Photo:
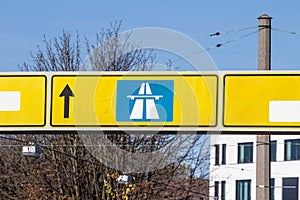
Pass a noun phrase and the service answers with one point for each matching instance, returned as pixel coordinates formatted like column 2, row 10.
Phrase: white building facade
column 233, row 167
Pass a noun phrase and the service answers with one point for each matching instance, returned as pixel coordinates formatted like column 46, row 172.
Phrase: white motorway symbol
column 145, row 93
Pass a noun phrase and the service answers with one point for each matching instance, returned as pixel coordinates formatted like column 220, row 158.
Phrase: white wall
column 233, row 171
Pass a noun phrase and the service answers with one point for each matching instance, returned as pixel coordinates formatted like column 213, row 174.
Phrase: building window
column 223, row 190
column 290, row 189
column 243, row 189
column 245, row 152
column 223, row 154
column 216, row 189
column 292, row 149
column 272, row 189
column 217, row 154
column 273, row 150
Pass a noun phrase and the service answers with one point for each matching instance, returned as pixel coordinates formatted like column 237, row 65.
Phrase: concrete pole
column 263, row 167
column 264, row 42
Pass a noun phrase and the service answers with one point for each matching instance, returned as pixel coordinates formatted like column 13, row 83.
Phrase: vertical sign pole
column 263, row 167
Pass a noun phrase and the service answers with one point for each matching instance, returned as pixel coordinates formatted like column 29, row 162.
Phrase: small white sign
column 284, row 111
column 10, row 101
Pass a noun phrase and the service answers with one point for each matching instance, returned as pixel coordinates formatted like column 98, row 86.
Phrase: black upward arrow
column 67, row 93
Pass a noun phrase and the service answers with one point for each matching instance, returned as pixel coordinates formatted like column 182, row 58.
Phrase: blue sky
column 23, row 24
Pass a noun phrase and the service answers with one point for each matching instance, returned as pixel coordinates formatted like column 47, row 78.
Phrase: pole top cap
column 264, row 16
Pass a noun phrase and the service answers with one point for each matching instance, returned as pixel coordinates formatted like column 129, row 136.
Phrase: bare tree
column 114, row 52
column 68, row 169
column 60, row 54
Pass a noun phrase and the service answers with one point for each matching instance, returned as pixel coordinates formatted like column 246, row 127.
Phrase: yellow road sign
column 124, row 100
column 22, row 100
column 262, row 100
column 143, row 101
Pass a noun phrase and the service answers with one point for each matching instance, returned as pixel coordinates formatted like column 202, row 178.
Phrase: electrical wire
column 285, row 31
column 218, row 33
column 218, row 45
column 68, row 155
column 210, row 48
column 269, row 143
column 84, row 145
column 49, row 147
column 63, row 153
column 57, row 151
column 121, row 145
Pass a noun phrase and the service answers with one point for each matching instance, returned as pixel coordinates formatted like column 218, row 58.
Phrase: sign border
column 136, row 75
column 269, row 74
column 45, row 106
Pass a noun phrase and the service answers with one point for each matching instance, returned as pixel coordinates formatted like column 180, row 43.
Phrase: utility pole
column 263, row 168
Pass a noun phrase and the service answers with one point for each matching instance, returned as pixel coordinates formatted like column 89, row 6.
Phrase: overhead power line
column 218, row 33
column 218, row 45
column 285, row 31
column 51, row 149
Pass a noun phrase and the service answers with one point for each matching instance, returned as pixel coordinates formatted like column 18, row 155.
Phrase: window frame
column 288, row 191
column 273, row 150
column 223, row 190
column 216, row 194
column 243, row 148
column 217, row 154
column 243, row 183
column 291, row 149
column 223, row 161
column 272, row 189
